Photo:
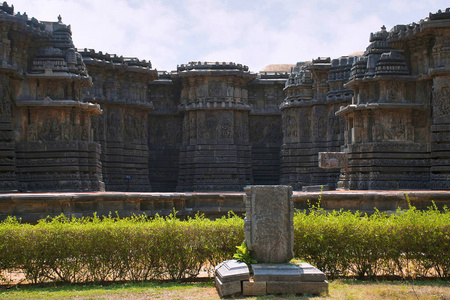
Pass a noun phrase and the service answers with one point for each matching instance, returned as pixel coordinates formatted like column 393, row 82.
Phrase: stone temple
column 81, row 120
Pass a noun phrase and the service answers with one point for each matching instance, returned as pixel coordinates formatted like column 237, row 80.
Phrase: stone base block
column 228, row 288
column 292, row 287
column 316, row 188
column 233, row 277
column 252, row 288
column 232, row 270
column 276, row 272
column 310, row 273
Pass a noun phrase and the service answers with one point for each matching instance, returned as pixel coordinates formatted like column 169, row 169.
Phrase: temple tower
column 436, row 56
column 314, row 92
column 55, row 149
column 386, row 140
column 215, row 152
column 120, row 86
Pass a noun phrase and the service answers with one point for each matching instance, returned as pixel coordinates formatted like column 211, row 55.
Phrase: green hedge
column 409, row 243
column 94, row 249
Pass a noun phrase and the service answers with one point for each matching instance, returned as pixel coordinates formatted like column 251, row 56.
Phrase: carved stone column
column 215, row 153
column 8, row 180
column 440, row 129
column 121, row 88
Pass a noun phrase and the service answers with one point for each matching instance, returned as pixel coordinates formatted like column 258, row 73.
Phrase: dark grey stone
column 276, row 272
column 269, row 231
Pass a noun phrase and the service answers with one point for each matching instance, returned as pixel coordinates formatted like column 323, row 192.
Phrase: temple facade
column 81, row 120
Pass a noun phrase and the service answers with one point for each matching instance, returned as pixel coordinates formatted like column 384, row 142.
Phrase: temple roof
column 278, row 68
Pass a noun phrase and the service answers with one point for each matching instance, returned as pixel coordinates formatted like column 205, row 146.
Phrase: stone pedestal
column 269, row 235
column 233, row 278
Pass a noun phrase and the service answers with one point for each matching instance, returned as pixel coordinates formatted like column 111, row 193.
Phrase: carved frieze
column 226, row 124
column 114, row 125
column 290, row 123
column 333, row 160
column 441, row 96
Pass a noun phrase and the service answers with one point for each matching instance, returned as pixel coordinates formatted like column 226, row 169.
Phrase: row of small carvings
column 7, row 10
column 402, row 31
column 211, row 65
column 113, row 58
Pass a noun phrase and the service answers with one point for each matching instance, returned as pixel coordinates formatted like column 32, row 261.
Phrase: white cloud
column 255, row 33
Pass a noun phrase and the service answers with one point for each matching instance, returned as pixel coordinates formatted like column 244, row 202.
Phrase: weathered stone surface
column 252, row 288
column 232, row 270
column 315, row 188
column 276, row 272
column 269, row 231
column 291, row 287
column 309, row 273
column 333, row 160
column 228, row 288
column 217, row 126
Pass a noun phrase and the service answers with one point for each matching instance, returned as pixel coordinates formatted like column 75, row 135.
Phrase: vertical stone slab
column 269, row 231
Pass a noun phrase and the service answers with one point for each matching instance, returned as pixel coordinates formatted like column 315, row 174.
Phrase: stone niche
column 215, row 151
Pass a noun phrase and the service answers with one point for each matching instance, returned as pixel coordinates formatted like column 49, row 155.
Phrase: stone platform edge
column 34, row 206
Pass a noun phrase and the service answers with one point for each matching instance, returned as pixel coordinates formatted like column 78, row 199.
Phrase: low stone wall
column 34, row 206
column 366, row 201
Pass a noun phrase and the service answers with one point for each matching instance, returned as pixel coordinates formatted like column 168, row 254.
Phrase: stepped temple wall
column 78, row 120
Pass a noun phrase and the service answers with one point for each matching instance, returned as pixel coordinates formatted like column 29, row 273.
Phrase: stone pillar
column 215, row 154
column 8, row 181
column 269, row 229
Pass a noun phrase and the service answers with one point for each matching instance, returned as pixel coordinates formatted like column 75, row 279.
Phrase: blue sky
column 253, row 32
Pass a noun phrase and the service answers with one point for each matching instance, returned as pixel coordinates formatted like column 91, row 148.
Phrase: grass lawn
column 339, row 289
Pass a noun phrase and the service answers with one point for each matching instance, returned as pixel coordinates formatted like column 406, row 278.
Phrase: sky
column 251, row 32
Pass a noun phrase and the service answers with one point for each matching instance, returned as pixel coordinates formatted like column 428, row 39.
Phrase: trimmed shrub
column 110, row 249
column 409, row 243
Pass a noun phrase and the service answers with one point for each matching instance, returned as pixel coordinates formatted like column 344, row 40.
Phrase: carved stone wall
column 310, row 126
column 8, row 180
column 121, row 88
column 440, row 130
column 265, row 96
column 164, row 134
column 72, row 119
column 215, row 151
column 45, row 129
column 387, row 125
